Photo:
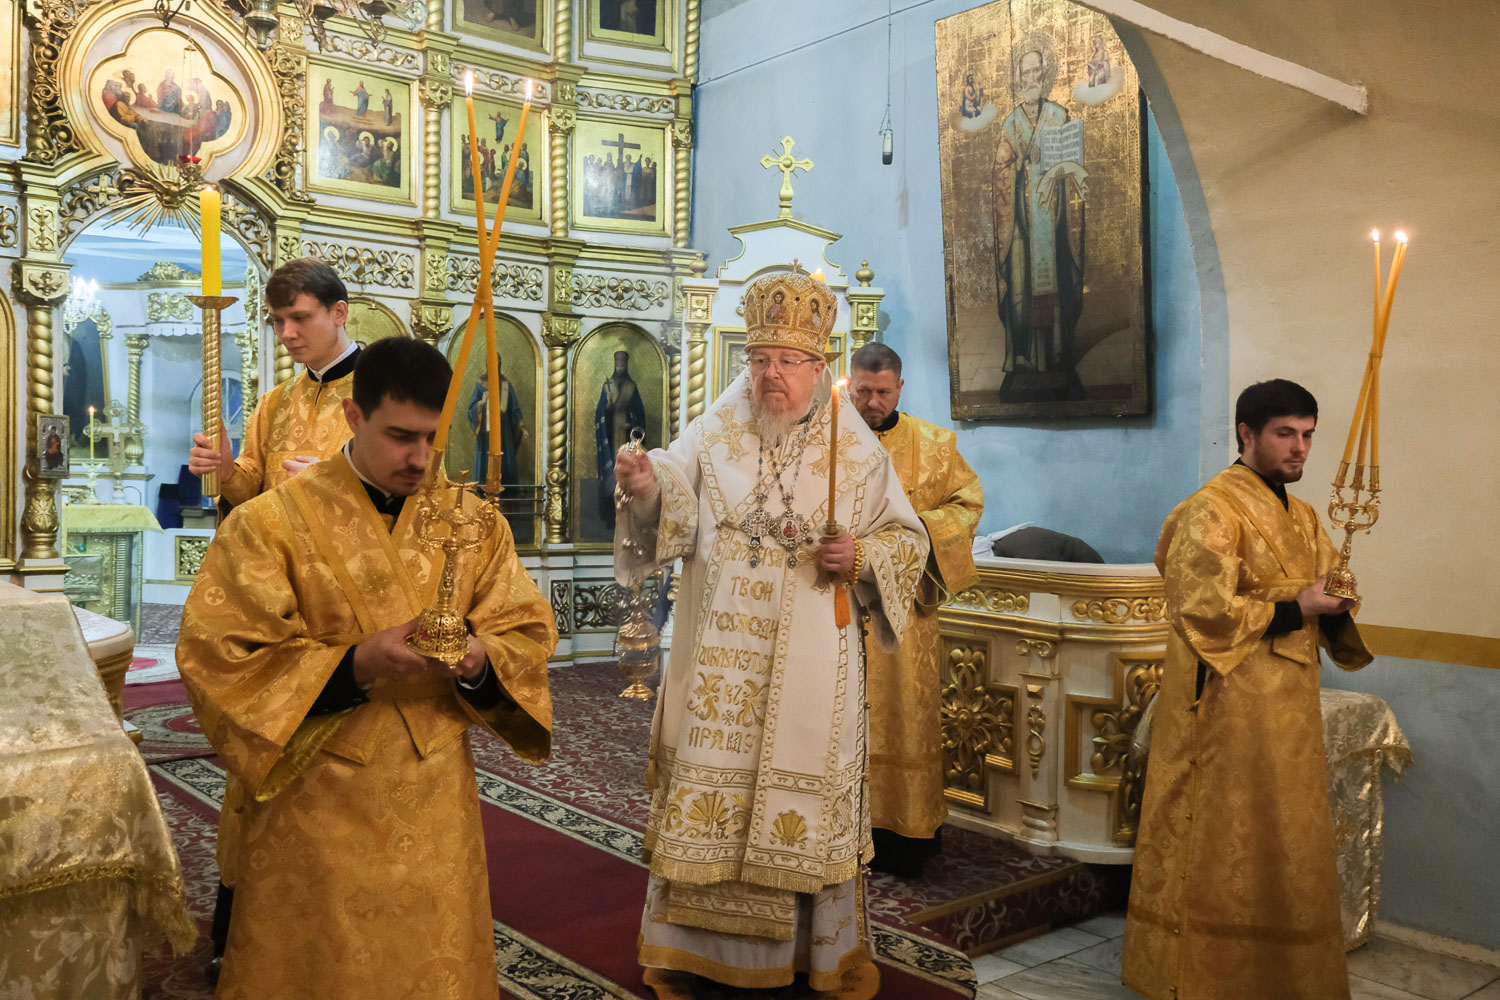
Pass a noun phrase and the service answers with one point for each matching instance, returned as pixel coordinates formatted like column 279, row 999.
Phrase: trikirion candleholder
column 442, row 631
column 212, row 306
column 1352, row 514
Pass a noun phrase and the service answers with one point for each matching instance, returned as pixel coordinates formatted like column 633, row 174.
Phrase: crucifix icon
column 788, row 165
column 621, row 145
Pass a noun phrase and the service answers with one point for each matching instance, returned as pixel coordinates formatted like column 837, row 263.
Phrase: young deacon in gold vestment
column 759, row 819
column 295, row 424
column 905, row 687
column 301, row 421
column 362, row 857
column 1235, row 894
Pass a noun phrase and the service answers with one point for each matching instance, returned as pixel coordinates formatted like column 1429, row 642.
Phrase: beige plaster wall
column 1293, row 186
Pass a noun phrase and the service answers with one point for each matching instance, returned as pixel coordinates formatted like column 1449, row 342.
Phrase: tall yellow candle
column 1390, row 291
column 833, row 449
column 1359, row 409
column 510, row 170
column 91, row 433
column 474, row 162
column 208, row 216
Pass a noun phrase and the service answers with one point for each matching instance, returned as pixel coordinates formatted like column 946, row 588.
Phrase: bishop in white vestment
column 759, row 819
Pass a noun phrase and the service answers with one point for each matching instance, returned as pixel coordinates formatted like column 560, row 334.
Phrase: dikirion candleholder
column 442, row 633
column 213, row 417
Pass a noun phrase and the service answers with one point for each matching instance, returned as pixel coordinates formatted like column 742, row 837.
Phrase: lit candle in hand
column 833, row 449
column 208, row 216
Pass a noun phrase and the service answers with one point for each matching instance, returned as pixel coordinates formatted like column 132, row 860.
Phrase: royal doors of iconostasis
column 128, row 391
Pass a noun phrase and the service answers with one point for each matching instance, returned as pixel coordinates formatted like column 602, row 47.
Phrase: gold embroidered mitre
column 789, row 310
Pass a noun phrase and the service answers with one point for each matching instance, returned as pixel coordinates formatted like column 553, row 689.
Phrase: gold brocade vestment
column 300, row 417
column 362, row 858
column 906, row 761
column 757, row 762
column 1235, row 894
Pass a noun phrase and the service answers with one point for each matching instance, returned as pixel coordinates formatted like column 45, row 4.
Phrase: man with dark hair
column 363, row 868
column 294, row 425
column 1236, row 892
column 300, row 421
column 905, row 687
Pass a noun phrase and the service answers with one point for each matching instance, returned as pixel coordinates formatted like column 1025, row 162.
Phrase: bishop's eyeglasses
column 760, row 364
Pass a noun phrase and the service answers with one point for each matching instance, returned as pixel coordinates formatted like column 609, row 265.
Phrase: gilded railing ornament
column 363, row 266
column 9, row 236
column 1118, row 610
column 442, row 632
column 1001, row 601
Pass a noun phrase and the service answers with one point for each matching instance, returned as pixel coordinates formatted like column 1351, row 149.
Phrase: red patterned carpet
column 575, row 824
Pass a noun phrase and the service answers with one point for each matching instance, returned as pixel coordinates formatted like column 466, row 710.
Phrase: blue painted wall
column 827, row 90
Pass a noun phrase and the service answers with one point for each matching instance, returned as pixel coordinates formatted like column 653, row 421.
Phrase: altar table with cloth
column 88, row 873
column 1360, row 738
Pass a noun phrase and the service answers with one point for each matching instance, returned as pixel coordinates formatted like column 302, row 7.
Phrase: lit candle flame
column 469, row 83
column 1400, row 236
column 528, row 89
column 1375, row 235
column 817, row 275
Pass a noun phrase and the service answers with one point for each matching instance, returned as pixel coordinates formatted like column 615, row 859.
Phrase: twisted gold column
column 697, row 371
column 557, row 442
column 674, row 393
column 283, row 367
column 135, row 347
column 39, row 518
column 562, row 47
column 690, row 42
column 560, row 125
column 682, row 153
column 432, row 163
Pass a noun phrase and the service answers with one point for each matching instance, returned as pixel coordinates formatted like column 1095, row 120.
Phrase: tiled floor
column 1083, row 963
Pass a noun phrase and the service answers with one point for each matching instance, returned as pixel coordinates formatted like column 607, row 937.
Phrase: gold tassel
column 841, row 607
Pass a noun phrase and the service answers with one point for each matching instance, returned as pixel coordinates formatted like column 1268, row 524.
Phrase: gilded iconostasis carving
column 346, row 140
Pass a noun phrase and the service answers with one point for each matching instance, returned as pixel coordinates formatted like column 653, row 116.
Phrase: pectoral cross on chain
column 788, row 165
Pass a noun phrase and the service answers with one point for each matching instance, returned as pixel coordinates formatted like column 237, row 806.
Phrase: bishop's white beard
column 771, row 425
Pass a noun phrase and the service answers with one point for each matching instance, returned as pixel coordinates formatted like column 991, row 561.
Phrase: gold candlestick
column 442, row 633
column 1352, row 514
column 212, row 306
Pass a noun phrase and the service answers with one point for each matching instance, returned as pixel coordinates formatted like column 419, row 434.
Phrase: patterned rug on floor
column 575, row 821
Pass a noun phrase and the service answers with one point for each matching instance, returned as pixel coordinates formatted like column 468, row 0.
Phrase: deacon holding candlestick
column 740, row 497
column 1224, row 901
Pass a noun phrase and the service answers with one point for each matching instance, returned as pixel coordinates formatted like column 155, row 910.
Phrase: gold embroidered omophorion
column 1235, row 894
column 906, row 766
column 759, row 818
column 363, row 868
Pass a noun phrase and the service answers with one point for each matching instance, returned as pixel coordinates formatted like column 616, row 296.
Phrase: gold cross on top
column 787, row 164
